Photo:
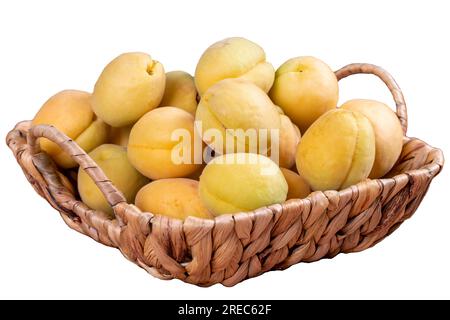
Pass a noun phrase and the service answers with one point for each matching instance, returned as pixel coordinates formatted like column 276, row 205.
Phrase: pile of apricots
column 128, row 126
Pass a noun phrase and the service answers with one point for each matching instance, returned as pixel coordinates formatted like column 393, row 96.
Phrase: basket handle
column 367, row 68
column 111, row 193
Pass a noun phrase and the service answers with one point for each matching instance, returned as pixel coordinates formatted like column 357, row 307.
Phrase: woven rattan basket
column 232, row 248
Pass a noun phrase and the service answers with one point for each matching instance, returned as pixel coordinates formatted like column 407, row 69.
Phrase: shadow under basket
column 232, row 248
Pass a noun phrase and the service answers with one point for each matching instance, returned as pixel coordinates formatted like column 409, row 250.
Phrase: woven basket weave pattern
column 232, row 248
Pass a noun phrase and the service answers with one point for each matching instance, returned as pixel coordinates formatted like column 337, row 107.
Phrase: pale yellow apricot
column 305, row 88
column 94, row 135
column 152, row 144
column 120, row 135
column 236, row 104
column 71, row 113
column 288, row 141
column 338, row 150
column 239, row 182
column 234, row 58
column 129, row 86
column 180, row 91
column 298, row 188
column 176, row 198
column 113, row 160
column 388, row 133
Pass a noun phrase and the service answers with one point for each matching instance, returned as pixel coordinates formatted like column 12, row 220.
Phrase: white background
column 47, row 46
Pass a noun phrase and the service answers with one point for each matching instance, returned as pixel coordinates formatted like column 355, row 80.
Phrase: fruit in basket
column 388, row 133
column 233, row 58
column 231, row 107
column 338, row 150
column 235, row 118
column 298, row 188
column 240, row 182
column 180, row 91
column 120, row 135
column 71, row 113
column 152, row 144
column 129, row 86
column 113, row 160
column 177, row 198
column 305, row 88
column 288, row 141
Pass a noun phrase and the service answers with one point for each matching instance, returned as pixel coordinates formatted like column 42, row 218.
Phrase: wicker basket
column 232, row 248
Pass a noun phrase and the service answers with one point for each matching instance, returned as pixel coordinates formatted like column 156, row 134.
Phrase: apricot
column 288, row 140
column 120, row 135
column 113, row 160
column 71, row 113
column 177, row 198
column 305, row 88
column 129, row 86
column 230, row 108
column 234, row 58
column 388, row 133
column 338, row 150
column 239, row 182
column 180, row 91
column 298, row 188
column 152, row 144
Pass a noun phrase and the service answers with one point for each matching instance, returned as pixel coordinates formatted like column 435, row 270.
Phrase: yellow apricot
column 154, row 143
column 298, row 188
column 288, row 141
column 239, row 182
column 338, row 150
column 129, row 86
column 112, row 159
column 180, row 91
column 120, row 135
column 236, row 104
column 71, row 113
column 388, row 133
column 233, row 58
column 305, row 88
column 177, row 198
